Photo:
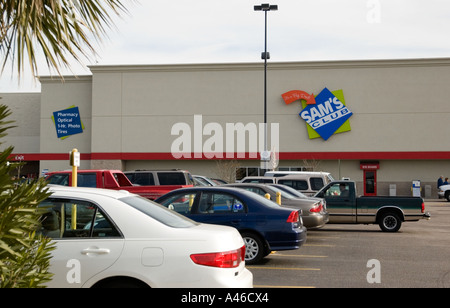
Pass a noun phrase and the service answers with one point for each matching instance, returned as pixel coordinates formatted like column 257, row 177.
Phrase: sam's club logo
column 326, row 114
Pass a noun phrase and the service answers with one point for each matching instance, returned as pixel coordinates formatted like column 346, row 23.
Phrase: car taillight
column 316, row 209
column 293, row 217
column 229, row 259
column 423, row 207
column 243, row 252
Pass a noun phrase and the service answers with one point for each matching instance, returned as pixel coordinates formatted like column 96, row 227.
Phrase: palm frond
column 55, row 28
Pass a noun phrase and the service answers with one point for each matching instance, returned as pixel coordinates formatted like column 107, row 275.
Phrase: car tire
column 254, row 248
column 121, row 283
column 390, row 222
column 447, row 195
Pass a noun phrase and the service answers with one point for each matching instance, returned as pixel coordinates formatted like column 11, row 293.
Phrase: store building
column 381, row 123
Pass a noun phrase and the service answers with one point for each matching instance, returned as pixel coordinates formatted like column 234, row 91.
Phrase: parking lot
column 337, row 256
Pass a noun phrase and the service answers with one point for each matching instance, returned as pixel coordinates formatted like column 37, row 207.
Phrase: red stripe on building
column 240, row 156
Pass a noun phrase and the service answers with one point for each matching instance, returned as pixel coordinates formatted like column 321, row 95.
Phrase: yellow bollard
column 74, row 162
column 279, row 198
column 267, row 196
column 191, row 200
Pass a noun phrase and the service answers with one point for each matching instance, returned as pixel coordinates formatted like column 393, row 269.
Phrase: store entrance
column 370, row 183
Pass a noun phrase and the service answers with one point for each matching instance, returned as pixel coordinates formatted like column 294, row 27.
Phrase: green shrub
column 24, row 256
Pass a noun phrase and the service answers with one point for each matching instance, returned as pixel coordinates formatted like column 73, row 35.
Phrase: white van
column 306, row 182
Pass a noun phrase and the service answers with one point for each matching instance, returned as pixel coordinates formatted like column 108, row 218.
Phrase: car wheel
column 390, row 222
column 447, row 195
column 254, row 248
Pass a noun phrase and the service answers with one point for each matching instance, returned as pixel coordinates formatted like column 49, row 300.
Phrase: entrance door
column 370, row 183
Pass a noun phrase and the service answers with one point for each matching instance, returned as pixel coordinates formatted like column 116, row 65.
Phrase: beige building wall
column 393, row 103
column 58, row 95
column 399, row 107
column 25, row 136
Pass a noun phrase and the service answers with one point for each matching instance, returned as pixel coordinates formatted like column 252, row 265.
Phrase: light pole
column 265, row 156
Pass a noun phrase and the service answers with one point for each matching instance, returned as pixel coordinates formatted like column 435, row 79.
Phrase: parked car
column 306, row 182
column 108, row 238
column 264, row 225
column 206, row 181
column 314, row 213
column 309, row 183
column 112, row 179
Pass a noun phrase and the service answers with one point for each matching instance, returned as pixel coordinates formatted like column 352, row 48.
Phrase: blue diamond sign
column 325, row 115
column 68, row 122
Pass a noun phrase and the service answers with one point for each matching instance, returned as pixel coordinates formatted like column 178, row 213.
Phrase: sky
column 211, row 31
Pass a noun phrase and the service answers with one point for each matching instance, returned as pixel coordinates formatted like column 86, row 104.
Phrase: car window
column 159, row 212
column 171, row 178
column 283, row 193
column 291, row 190
column 83, row 179
column 338, row 190
column 87, row 180
column 296, row 184
column 75, row 219
column 316, row 183
column 141, row 178
column 219, row 203
column 59, row 179
column 180, row 203
column 256, row 190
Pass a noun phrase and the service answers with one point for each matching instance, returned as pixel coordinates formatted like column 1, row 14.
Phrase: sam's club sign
column 326, row 114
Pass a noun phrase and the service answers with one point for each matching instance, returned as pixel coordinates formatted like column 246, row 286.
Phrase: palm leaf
column 55, row 28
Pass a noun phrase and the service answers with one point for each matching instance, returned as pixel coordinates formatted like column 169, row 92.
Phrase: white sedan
column 116, row 239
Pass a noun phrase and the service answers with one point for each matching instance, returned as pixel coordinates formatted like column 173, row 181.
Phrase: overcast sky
column 211, row 31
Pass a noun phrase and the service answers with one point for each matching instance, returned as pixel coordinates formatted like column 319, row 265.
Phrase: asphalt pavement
column 362, row 256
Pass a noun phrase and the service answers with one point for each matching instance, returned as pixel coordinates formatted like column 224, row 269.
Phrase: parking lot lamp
column 265, row 56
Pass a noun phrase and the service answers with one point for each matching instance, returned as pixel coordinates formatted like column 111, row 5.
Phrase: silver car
column 315, row 214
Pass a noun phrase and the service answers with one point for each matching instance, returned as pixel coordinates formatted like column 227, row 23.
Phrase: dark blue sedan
column 264, row 225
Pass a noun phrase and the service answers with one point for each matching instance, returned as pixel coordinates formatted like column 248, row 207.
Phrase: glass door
column 370, row 183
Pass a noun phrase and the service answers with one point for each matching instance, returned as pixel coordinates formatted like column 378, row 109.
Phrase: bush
column 24, row 256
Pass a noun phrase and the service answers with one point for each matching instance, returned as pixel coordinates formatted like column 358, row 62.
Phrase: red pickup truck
column 109, row 179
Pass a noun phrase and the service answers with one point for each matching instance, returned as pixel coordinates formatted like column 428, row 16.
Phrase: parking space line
column 297, row 256
column 284, row 268
column 318, row 245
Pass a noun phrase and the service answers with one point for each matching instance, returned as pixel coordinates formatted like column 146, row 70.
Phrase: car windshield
column 290, row 190
column 260, row 199
column 159, row 213
column 284, row 194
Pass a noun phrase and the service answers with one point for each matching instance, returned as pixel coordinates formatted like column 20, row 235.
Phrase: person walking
column 440, row 181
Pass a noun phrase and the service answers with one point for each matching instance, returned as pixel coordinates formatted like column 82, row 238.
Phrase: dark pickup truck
column 389, row 212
